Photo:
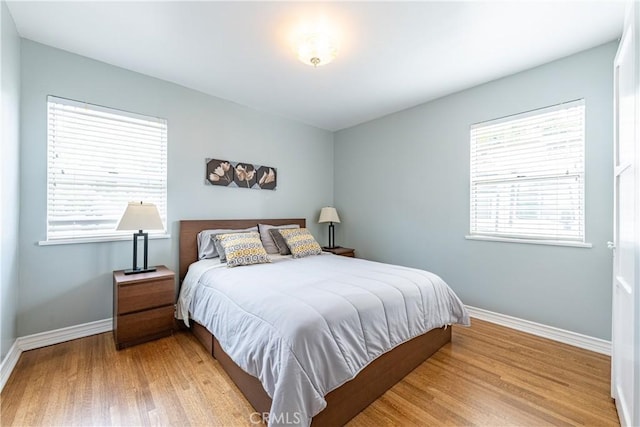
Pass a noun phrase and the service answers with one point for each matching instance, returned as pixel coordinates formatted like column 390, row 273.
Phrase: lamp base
column 331, row 247
column 139, row 270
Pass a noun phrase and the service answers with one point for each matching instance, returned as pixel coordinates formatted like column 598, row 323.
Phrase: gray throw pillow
column 219, row 248
column 281, row 244
column 267, row 240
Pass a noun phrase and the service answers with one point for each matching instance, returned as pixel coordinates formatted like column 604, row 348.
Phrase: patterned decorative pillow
column 218, row 246
column 243, row 248
column 300, row 242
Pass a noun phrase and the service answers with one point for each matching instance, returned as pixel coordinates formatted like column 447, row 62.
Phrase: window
column 99, row 159
column 527, row 176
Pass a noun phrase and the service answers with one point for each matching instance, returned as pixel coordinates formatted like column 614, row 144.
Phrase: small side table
column 143, row 306
column 348, row 252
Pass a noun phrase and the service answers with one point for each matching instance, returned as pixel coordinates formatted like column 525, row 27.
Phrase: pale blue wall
column 402, row 191
column 401, row 187
column 9, row 170
column 71, row 284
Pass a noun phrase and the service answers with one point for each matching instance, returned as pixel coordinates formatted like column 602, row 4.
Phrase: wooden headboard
column 189, row 230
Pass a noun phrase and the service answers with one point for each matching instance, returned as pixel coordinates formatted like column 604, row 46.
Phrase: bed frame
column 346, row 401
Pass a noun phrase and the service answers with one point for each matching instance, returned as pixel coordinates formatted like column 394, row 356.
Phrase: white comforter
column 306, row 326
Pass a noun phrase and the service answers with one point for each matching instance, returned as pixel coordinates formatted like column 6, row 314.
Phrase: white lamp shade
column 329, row 214
column 140, row 216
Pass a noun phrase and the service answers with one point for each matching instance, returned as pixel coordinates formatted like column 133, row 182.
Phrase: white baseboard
column 8, row 363
column 567, row 337
column 57, row 336
column 44, row 339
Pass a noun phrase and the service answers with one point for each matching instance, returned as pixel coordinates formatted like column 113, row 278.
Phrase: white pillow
column 206, row 248
column 267, row 240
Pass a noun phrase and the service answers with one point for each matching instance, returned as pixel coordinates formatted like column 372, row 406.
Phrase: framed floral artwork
column 219, row 172
column 267, row 177
column 240, row 174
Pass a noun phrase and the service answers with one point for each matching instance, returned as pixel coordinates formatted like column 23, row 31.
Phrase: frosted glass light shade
column 317, row 49
column 140, row 216
column 329, row 214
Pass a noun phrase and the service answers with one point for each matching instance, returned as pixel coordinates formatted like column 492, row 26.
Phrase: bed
column 342, row 402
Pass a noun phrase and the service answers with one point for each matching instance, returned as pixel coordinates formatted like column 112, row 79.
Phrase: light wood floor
column 489, row 375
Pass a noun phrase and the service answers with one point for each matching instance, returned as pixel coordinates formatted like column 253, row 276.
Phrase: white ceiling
column 392, row 55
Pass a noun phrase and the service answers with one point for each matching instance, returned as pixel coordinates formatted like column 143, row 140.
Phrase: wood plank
column 488, row 375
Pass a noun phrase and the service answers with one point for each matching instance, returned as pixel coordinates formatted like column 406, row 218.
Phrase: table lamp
column 330, row 215
column 140, row 216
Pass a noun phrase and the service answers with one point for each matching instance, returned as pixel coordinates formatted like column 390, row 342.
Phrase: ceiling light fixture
column 317, row 49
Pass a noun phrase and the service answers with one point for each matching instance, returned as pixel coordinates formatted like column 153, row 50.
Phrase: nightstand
column 341, row 251
column 143, row 306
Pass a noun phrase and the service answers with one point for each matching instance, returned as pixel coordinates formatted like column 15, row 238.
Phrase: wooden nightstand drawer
column 136, row 297
column 144, row 325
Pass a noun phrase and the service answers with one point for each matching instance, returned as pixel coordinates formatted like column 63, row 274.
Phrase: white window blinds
column 99, row 159
column 527, row 175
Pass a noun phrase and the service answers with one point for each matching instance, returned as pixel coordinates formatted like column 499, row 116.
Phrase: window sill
column 530, row 241
column 128, row 237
